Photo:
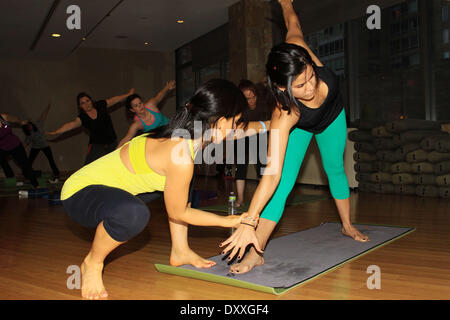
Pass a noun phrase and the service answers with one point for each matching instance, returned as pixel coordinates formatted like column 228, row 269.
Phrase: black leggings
column 19, row 155
column 241, row 168
column 48, row 153
column 124, row 215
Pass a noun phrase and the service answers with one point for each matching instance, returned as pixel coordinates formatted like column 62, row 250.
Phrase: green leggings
column 331, row 144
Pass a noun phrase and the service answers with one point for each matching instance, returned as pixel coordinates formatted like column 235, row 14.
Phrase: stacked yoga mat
column 403, row 157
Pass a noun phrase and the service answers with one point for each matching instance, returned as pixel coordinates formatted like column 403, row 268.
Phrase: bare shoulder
column 284, row 118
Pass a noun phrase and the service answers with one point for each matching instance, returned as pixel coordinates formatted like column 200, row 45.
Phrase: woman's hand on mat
column 238, row 242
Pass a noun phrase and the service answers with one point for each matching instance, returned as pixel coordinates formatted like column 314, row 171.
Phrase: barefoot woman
column 309, row 104
column 102, row 194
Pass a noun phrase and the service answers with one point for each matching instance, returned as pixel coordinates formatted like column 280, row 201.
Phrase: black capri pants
column 124, row 215
column 259, row 155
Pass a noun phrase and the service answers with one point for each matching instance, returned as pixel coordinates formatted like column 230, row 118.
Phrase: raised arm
column 113, row 100
column 134, row 127
column 280, row 126
column 294, row 31
column 67, row 127
column 153, row 102
column 44, row 113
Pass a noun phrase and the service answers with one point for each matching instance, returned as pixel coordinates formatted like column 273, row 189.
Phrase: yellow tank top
column 110, row 171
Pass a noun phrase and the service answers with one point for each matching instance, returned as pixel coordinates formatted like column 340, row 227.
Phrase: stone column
column 250, row 39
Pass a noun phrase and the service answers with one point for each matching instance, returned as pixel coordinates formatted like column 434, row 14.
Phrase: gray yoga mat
column 297, row 258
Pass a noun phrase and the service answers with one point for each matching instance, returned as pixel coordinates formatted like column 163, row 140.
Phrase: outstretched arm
column 134, row 127
column 67, row 127
column 113, row 100
column 45, row 113
column 280, row 127
column 153, row 102
column 176, row 190
column 13, row 119
column 294, row 31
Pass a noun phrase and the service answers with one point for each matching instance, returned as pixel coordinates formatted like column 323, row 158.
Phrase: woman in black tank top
column 309, row 104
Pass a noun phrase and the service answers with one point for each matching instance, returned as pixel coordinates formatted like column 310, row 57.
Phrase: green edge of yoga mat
column 273, row 290
column 296, row 200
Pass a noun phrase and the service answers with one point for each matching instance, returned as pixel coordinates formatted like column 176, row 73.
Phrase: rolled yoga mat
column 442, row 168
column 435, row 156
column 381, row 177
column 407, row 148
column 401, row 167
column 388, row 155
column 9, row 182
column 405, row 189
column 413, row 136
column 443, row 145
column 412, row 124
column 427, row 191
column 385, row 144
column 381, row 131
column 383, row 166
column 425, row 179
column 365, row 147
column 403, row 178
column 444, row 192
column 364, row 167
column 422, row 167
column 417, row 156
column 384, row 188
column 429, row 143
column 295, row 259
column 291, row 201
column 364, row 156
column 443, row 181
column 363, row 177
column 360, row 136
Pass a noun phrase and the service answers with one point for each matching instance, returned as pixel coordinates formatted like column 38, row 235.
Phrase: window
column 446, row 55
column 445, row 36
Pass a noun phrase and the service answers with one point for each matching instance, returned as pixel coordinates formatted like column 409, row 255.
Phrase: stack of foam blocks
column 410, row 157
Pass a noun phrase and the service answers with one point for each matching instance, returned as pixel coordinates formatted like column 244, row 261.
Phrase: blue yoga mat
column 297, row 258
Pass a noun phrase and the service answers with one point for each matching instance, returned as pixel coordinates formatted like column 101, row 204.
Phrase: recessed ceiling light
column 56, row 35
column 180, row 21
column 84, row 38
column 146, row 43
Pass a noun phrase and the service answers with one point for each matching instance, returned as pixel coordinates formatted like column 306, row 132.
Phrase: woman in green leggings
column 309, row 104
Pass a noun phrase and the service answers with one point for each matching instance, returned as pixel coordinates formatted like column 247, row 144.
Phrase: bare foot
column 178, row 258
column 352, row 232
column 251, row 260
column 91, row 281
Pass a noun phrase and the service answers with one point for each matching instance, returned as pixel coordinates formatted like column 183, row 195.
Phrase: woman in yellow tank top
column 103, row 193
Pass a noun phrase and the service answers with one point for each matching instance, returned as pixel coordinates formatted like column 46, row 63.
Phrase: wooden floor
column 39, row 242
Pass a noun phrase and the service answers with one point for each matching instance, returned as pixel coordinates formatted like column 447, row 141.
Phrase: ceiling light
column 83, row 38
column 180, row 21
column 146, row 43
column 56, row 35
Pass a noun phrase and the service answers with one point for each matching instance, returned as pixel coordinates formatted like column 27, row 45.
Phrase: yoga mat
column 296, row 200
column 295, row 259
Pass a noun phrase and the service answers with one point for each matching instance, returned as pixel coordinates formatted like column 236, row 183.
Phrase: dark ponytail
column 285, row 62
column 214, row 99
